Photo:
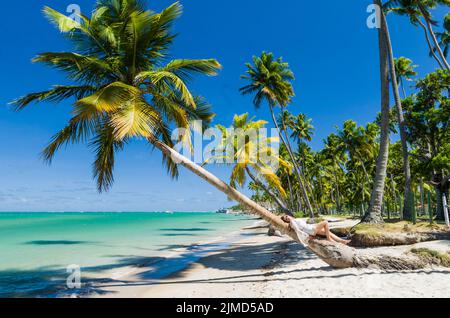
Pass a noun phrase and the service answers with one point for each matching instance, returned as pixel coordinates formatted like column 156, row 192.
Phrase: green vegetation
column 399, row 227
column 431, row 256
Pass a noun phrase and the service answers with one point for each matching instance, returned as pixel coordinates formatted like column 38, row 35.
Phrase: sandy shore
column 260, row 266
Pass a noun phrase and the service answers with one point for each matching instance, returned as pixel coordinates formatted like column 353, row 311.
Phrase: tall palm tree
column 270, row 82
column 252, row 157
column 374, row 213
column 407, row 207
column 416, row 9
column 336, row 159
column 405, row 70
column 123, row 90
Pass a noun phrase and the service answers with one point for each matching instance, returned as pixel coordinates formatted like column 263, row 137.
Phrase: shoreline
column 104, row 248
column 259, row 266
column 170, row 263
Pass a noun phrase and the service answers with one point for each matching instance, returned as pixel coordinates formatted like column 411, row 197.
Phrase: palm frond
column 79, row 67
column 105, row 146
column 185, row 68
column 171, row 81
column 57, row 94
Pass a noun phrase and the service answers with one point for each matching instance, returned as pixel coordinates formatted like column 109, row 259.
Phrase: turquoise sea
column 37, row 248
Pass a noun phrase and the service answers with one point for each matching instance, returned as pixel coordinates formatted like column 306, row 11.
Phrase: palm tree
column 424, row 8
column 270, row 81
column 302, row 128
column 360, row 144
column 407, row 207
column 374, row 214
column 123, row 90
column 251, row 154
column 421, row 8
column 405, row 70
column 444, row 37
column 336, row 159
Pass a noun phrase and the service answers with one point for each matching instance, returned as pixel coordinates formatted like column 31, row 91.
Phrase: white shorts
column 309, row 229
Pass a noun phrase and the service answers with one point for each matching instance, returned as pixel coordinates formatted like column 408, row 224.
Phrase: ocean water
column 37, row 248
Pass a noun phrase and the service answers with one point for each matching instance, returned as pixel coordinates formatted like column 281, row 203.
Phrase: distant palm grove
column 125, row 87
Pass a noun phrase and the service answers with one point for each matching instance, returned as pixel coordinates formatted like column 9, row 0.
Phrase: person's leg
column 338, row 239
column 323, row 229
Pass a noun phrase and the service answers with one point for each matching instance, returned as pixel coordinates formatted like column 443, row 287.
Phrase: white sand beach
column 260, row 266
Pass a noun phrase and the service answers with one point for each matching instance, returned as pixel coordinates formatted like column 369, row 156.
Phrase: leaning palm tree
column 405, row 71
column 123, row 91
column 252, row 155
column 270, row 82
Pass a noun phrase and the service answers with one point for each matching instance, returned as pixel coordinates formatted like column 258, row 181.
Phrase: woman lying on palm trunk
column 321, row 229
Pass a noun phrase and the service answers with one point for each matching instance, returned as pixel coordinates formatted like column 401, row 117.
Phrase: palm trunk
column 374, row 214
column 439, row 205
column 402, row 82
column 394, row 193
column 320, row 195
column 277, row 200
column 300, row 170
column 294, row 163
column 407, row 209
column 291, row 193
column 335, row 255
column 433, row 36
column 366, row 174
column 338, row 193
column 422, row 197
column 432, row 49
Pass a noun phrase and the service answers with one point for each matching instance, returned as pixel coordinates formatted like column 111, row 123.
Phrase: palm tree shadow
column 240, row 258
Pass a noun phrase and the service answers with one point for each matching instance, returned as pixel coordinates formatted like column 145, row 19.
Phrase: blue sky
column 327, row 43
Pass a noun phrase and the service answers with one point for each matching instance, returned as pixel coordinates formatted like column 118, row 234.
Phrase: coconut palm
column 374, row 213
column 270, row 82
column 124, row 90
column 285, row 120
column 336, row 161
column 404, row 70
column 302, row 128
column 252, row 155
column 407, row 208
column 416, row 9
column 360, row 144
column 444, row 37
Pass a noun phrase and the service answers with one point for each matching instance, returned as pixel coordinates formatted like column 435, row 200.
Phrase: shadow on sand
column 241, row 258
